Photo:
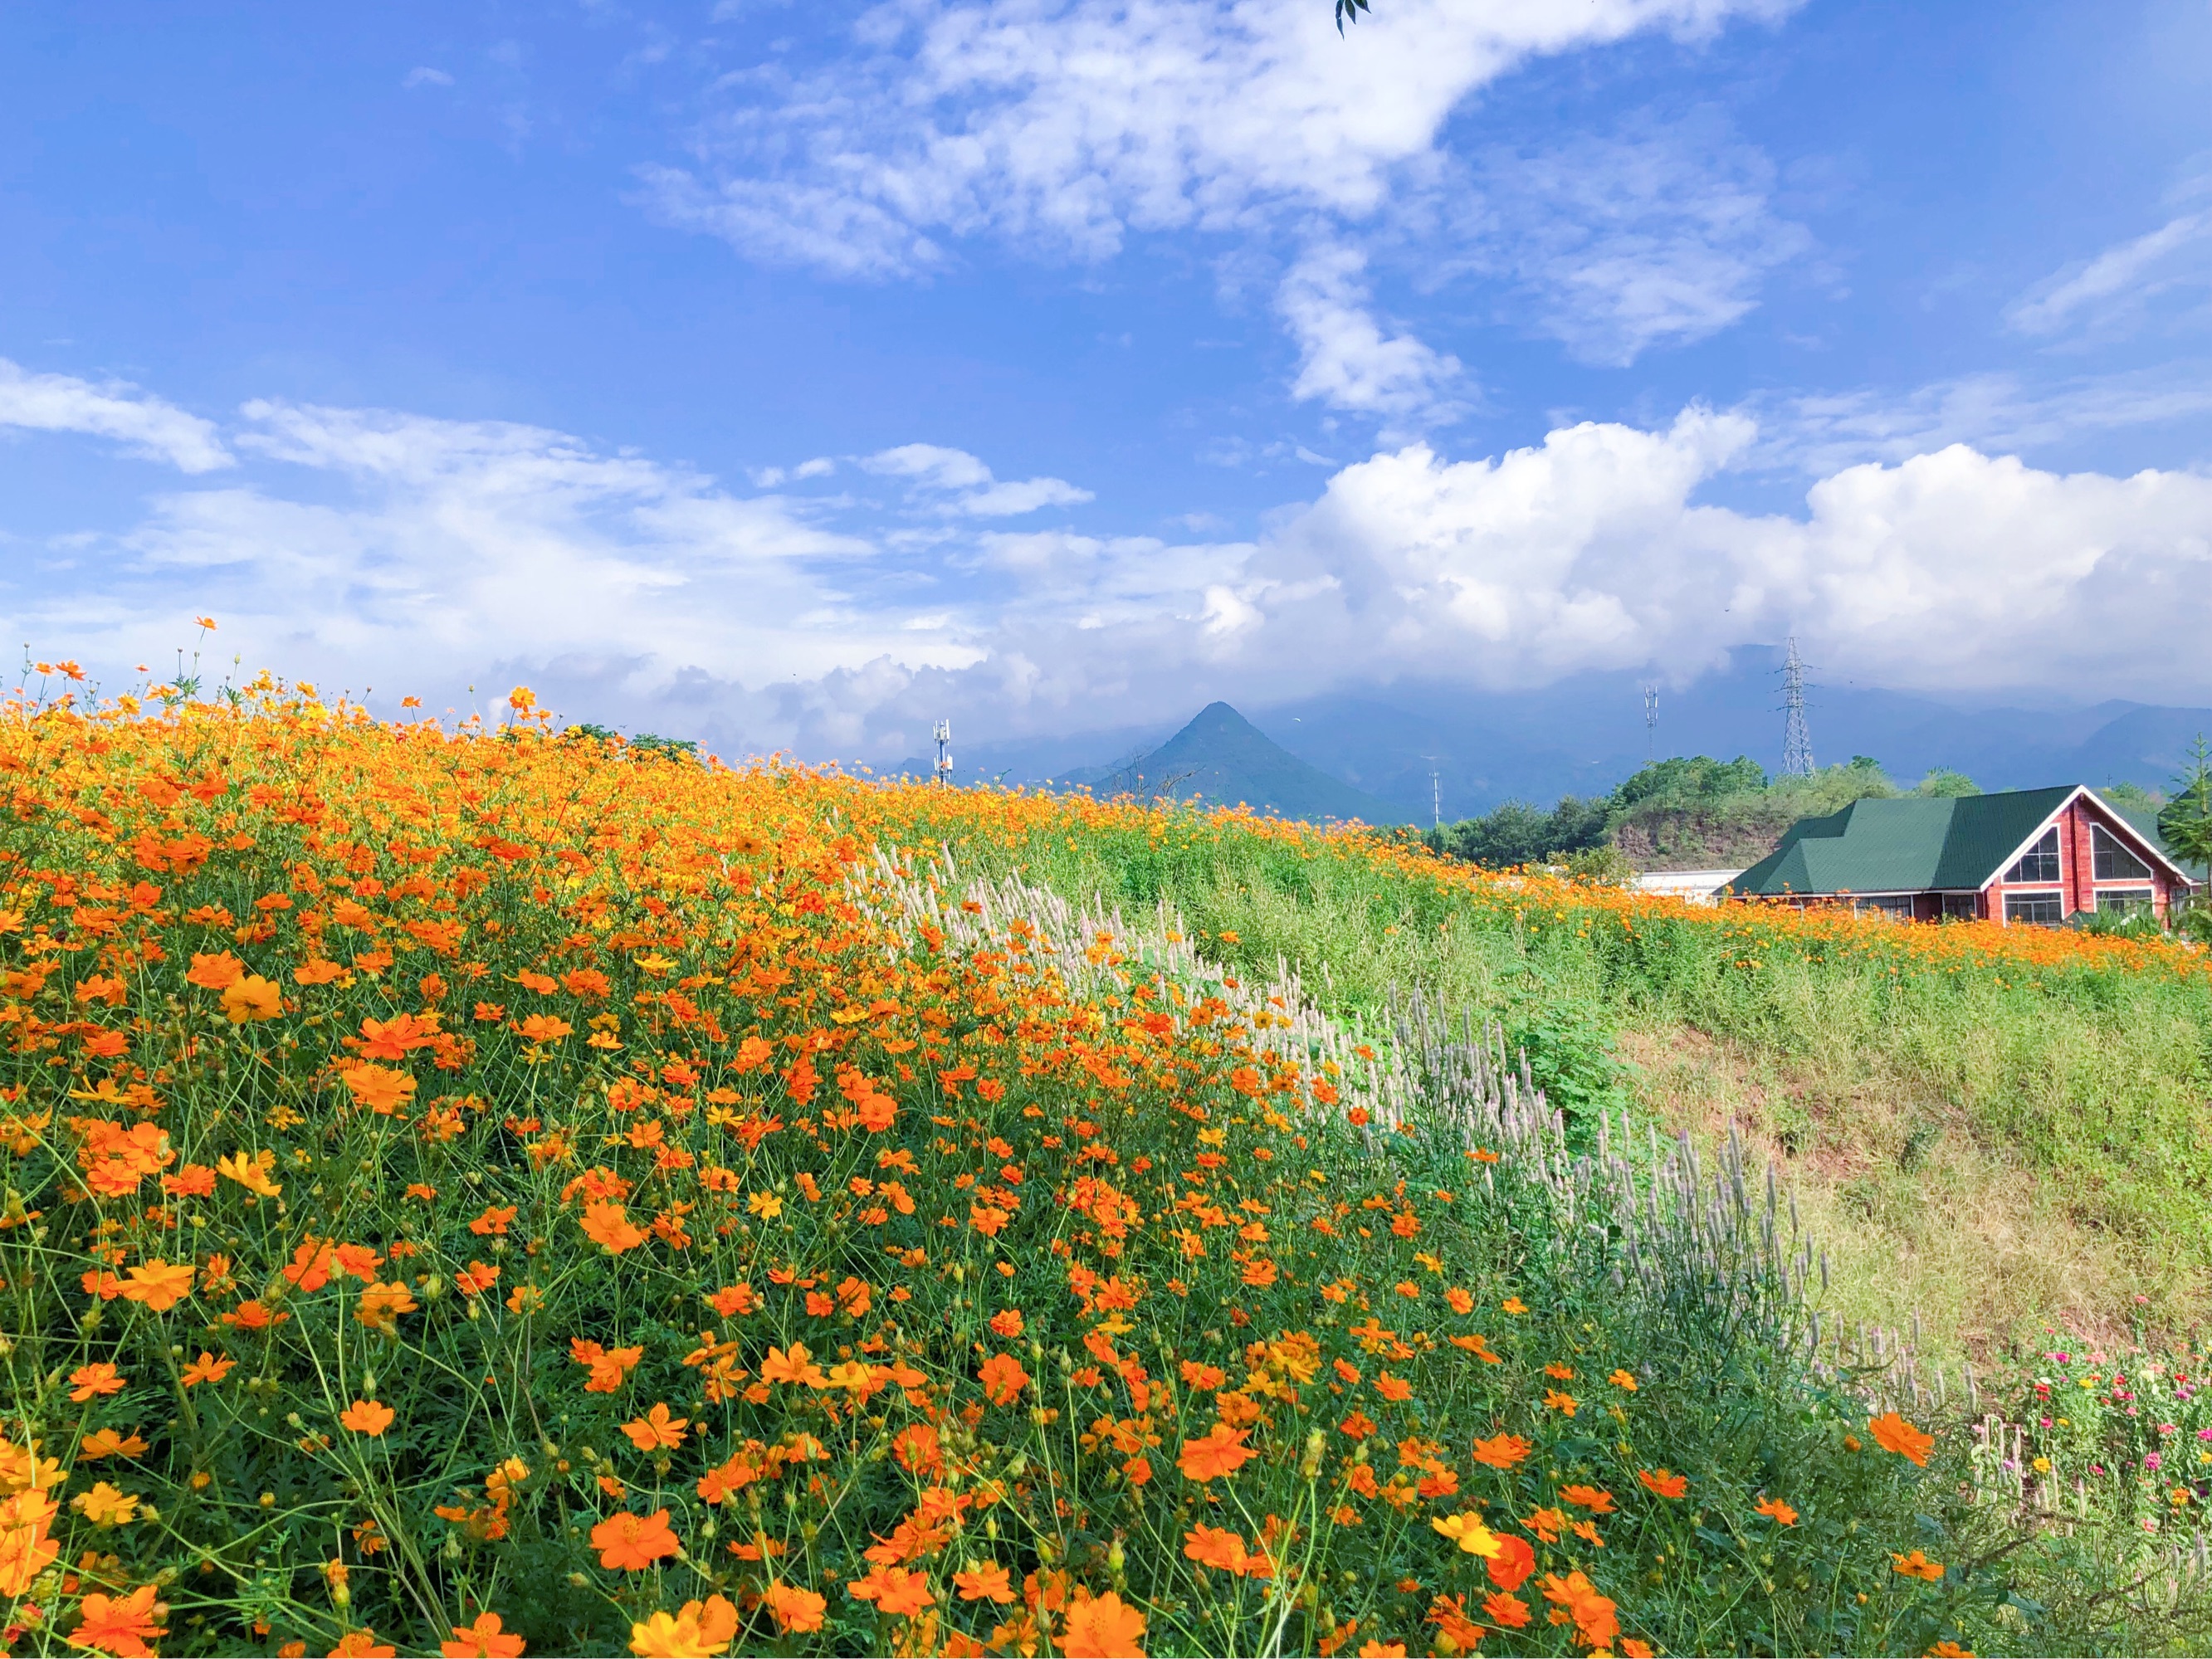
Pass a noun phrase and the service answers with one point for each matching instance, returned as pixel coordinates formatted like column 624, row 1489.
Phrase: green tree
column 2186, row 822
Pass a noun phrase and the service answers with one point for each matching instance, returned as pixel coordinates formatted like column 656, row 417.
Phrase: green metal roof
column 1902, row 846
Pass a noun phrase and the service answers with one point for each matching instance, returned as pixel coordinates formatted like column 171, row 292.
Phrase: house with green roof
column 2021, row 855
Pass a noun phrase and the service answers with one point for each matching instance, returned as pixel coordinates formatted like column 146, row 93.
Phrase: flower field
column 479, row 1192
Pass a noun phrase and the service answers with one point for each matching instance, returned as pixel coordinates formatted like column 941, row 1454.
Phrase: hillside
column 1222, row 759
column 538, row 1195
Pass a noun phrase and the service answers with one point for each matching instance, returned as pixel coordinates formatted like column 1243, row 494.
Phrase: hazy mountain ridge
column 1584, row 735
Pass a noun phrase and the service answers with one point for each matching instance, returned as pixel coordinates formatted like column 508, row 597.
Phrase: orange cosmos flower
column 487, row 1638
column 1222, row 1451
column 1775, row 1509
column 1893, row 1434
column 896, row 1590
column 1592, row 1613
column 796, row 1610
column 1554, row 1400
column 797, row 1366
column 1514, row 1305
column 1102, row 1627
column 250, row 998
column 381, row 1304
column 656, row 1429
column 1515, row 1560
column 1002, row 1379
column 631, row 1543
column 1917, row 1566
column 1621, row 1379
column 1663, row 1482
column 1509, row 1611
column 1213, row 1546
column 367, row 1417
column 607, row 1225
column 986, row 1583
column 120, row 1624
column 378, row 1088
column 363, row 1645
column 95, row 1379
column 1502, row 1451
column 1008, row 1323
column 158, row 1286
column 1588, row 1497
column 215, row 972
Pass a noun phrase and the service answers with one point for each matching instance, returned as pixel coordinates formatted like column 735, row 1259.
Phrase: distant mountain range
column 1369, row 754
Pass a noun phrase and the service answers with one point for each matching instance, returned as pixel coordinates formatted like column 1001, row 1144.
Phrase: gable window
column 2045, row 909
column 2039, row 863
column 2113, row 859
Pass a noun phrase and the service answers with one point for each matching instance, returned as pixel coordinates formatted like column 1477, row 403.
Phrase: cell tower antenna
column 943, row 734
column 1650, row 724
column 1796, row 740
column 1436, row 795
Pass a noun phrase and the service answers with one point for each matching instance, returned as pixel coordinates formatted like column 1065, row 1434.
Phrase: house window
column 1896, row 906
column 2114, row 861
column 2123, row 898
column 1961, row 907
column 2039, row 863
column 2047, row 909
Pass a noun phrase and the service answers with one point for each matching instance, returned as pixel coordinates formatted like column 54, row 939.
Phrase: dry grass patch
column 1916, row 1213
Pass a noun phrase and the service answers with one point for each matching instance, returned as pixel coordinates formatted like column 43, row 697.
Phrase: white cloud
column 1952, row 570
column 144, row 424
column 1615, row 244
column 1823, row 433
column 959, row 482
column 1346, row 360
column 2113, row 289
column 423, row 76
column 374, row 546
column 1073, row 124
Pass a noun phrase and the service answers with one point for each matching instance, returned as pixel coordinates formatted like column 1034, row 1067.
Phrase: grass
column 483, row 1193
column 2001, row 1149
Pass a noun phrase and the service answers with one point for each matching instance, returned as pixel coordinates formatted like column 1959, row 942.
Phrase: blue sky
column 793, row 375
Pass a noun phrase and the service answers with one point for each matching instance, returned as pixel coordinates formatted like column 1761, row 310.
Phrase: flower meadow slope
column 480, row 1194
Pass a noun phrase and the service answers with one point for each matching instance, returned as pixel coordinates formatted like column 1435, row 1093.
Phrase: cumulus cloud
column 953, row 481
column 1346, row 359
column 144, row 424
column 369, row 544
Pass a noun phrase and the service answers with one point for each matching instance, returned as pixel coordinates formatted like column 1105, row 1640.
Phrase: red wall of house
column 2077, row 862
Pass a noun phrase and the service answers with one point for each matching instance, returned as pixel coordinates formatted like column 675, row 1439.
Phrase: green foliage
column 1696, row 780
column 1683, row 810
column 1517, row 833
column 2186, row 821
column 1570, row 1054
column 1944, row 784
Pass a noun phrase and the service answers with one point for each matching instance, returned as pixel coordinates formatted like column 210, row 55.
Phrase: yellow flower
column 1468, row 1532
column 251, row 1171
column 104, row 1506
column 766, row 1206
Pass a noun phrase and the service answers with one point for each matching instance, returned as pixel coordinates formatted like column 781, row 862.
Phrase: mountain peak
column 1222, row 757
